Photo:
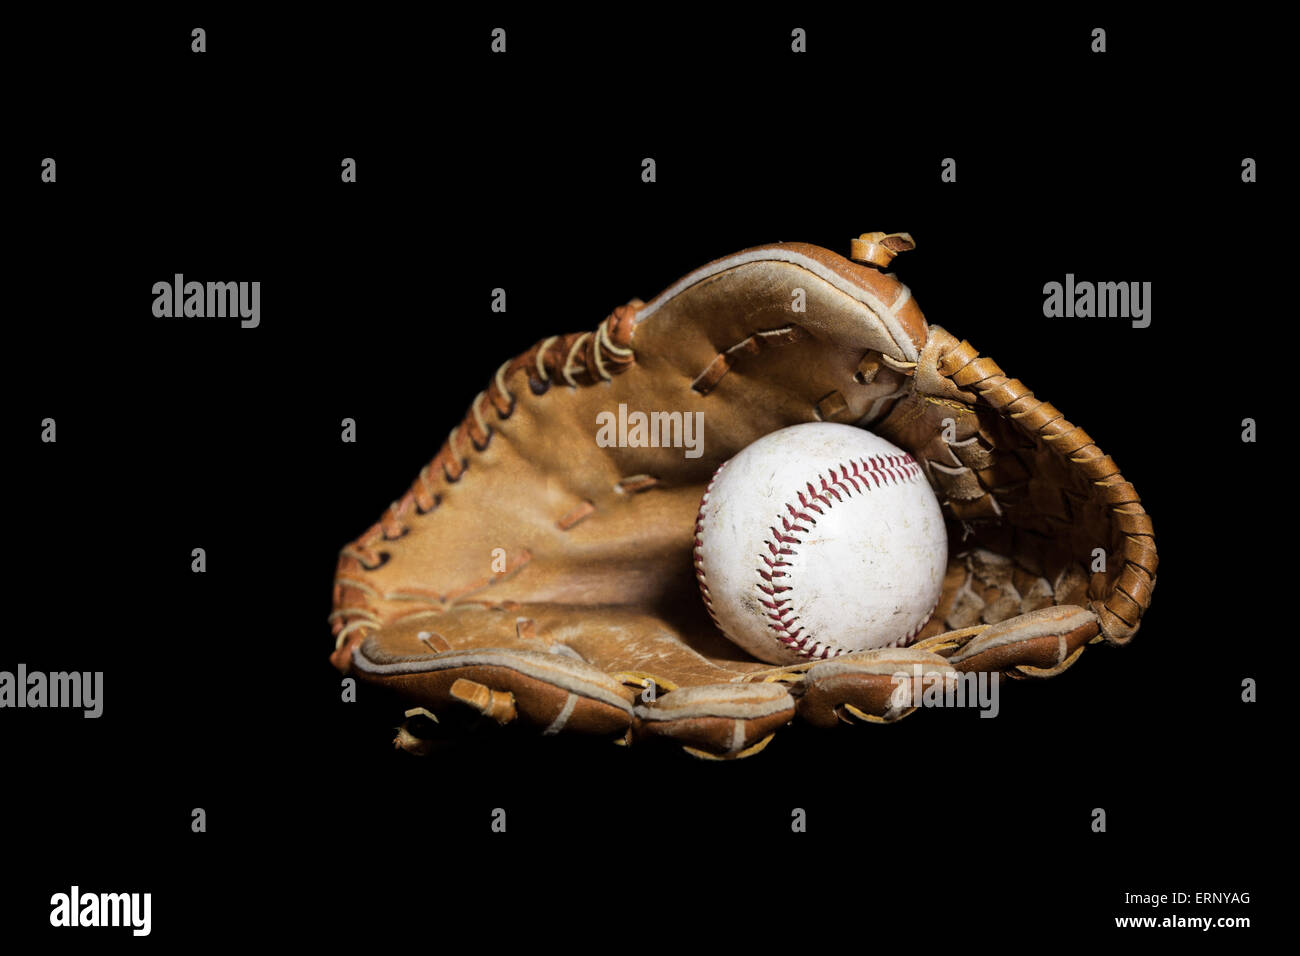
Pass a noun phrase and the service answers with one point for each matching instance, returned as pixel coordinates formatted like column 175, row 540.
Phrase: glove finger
column 875, row 685
column 717, row 720
column 552, row 690
column 1040, row 643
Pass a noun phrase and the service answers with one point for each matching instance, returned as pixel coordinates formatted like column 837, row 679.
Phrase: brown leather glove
column 534, row 575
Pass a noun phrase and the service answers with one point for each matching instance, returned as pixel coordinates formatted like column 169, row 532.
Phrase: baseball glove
column 537, row 576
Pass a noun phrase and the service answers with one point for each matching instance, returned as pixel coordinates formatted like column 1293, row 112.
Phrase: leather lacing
column 576, row 360
column 1120, row 610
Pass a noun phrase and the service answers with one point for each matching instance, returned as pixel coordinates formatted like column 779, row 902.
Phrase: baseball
column 817, row 540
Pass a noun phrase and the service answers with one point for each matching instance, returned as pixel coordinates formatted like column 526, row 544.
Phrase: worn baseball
column 818, row 540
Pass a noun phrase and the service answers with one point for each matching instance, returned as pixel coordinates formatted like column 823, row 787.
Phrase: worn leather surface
column 595, row 625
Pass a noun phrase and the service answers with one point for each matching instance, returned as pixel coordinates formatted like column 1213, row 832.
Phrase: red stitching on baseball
column 699, row 558
column 857, row 476
column 875, row 472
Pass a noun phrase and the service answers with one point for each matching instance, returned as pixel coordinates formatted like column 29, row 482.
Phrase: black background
column 523, row 171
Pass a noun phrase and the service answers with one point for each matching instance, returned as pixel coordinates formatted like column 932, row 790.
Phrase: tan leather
column 598, row 606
